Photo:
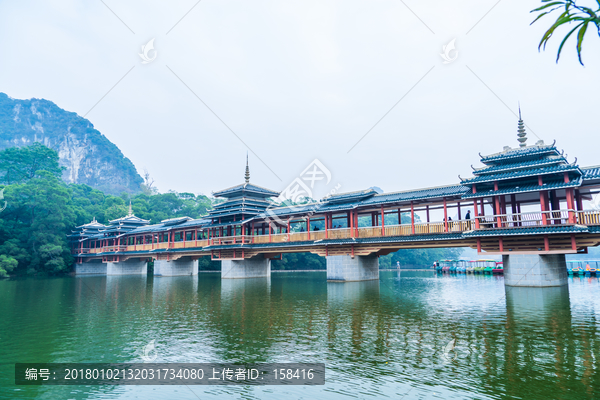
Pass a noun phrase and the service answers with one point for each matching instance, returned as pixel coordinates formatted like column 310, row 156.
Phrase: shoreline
column 324, row 270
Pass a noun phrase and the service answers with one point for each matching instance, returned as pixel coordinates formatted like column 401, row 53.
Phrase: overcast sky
column 291, row 81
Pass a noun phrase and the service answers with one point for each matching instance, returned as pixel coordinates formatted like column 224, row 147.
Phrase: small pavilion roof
column 129, row 219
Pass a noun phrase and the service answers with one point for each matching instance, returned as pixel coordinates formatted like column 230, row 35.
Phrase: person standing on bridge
column 468, row 219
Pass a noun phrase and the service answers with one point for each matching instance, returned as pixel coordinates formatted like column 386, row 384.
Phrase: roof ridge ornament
column 521, row 130
column 247, row 176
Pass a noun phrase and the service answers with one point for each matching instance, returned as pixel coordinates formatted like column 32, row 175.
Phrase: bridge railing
column 588, row 217
column 535, row 218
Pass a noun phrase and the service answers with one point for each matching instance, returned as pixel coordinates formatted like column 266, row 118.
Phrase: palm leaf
column 580, row 40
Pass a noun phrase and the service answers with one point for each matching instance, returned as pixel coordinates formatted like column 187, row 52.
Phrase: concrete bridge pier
column 351, row 269
column 534, row 270
column 129, row 267
column 181, row 267
column 255, row 267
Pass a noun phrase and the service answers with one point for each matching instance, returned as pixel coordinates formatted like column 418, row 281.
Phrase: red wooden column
column 382, row 222
column 543, row 202
column 445, row 216
column 308, row 226
column 412, row 218
column 270, row 239
column 288, row 229
column 399, row 217
column 546, row 243
column 573, row 242
column 356, row 223
column 352, row 232
column 498, row 208
column 459, row 216
column 475, row 209
column 326, row 226
column 570, row 200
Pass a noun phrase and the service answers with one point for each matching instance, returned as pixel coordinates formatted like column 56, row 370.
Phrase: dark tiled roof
column 175, row 221
column 129, row 219
column 414, row 195
column 591, row 172
column 246, row 187
column 522, row 173
column 508, row 166
column 350, row 196
column 398, row 197
column 523, row 189
column 523, row 152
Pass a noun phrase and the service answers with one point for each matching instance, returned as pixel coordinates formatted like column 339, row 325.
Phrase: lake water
column 378, row 339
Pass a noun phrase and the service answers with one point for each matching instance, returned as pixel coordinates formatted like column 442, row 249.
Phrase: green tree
column 19, row 164
column 572, row 13
column 7, row 264
column 35, row 223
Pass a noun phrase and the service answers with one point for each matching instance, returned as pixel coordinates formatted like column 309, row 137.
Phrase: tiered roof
column 517, row 170
column 243, row 202
column 86, row 231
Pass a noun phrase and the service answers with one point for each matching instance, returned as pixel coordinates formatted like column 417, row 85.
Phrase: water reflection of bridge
column 525, row 203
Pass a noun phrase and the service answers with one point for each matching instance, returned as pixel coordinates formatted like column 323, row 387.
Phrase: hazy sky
column 299, row 80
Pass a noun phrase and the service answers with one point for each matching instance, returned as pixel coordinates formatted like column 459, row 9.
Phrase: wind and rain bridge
column 524, row 203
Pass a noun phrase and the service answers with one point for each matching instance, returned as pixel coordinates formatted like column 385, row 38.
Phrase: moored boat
column 499, row 270
column 488, row 270
column 576, row 271
column 478, row 270
column 470, row 269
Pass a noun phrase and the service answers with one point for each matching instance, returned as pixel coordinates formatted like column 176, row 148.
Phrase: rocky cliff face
column 88, row 156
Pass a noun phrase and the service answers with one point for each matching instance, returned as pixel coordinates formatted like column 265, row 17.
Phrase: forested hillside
column 87, row 156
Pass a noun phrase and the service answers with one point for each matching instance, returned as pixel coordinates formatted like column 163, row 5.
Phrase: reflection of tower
column 245, row 317
column 537, row 317
column 352, row 303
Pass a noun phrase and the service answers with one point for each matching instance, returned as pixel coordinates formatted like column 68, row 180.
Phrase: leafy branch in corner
column 581, row 16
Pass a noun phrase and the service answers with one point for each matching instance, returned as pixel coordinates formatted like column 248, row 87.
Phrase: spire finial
column 130, row 213
column 521, row 130
column 247, row 170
